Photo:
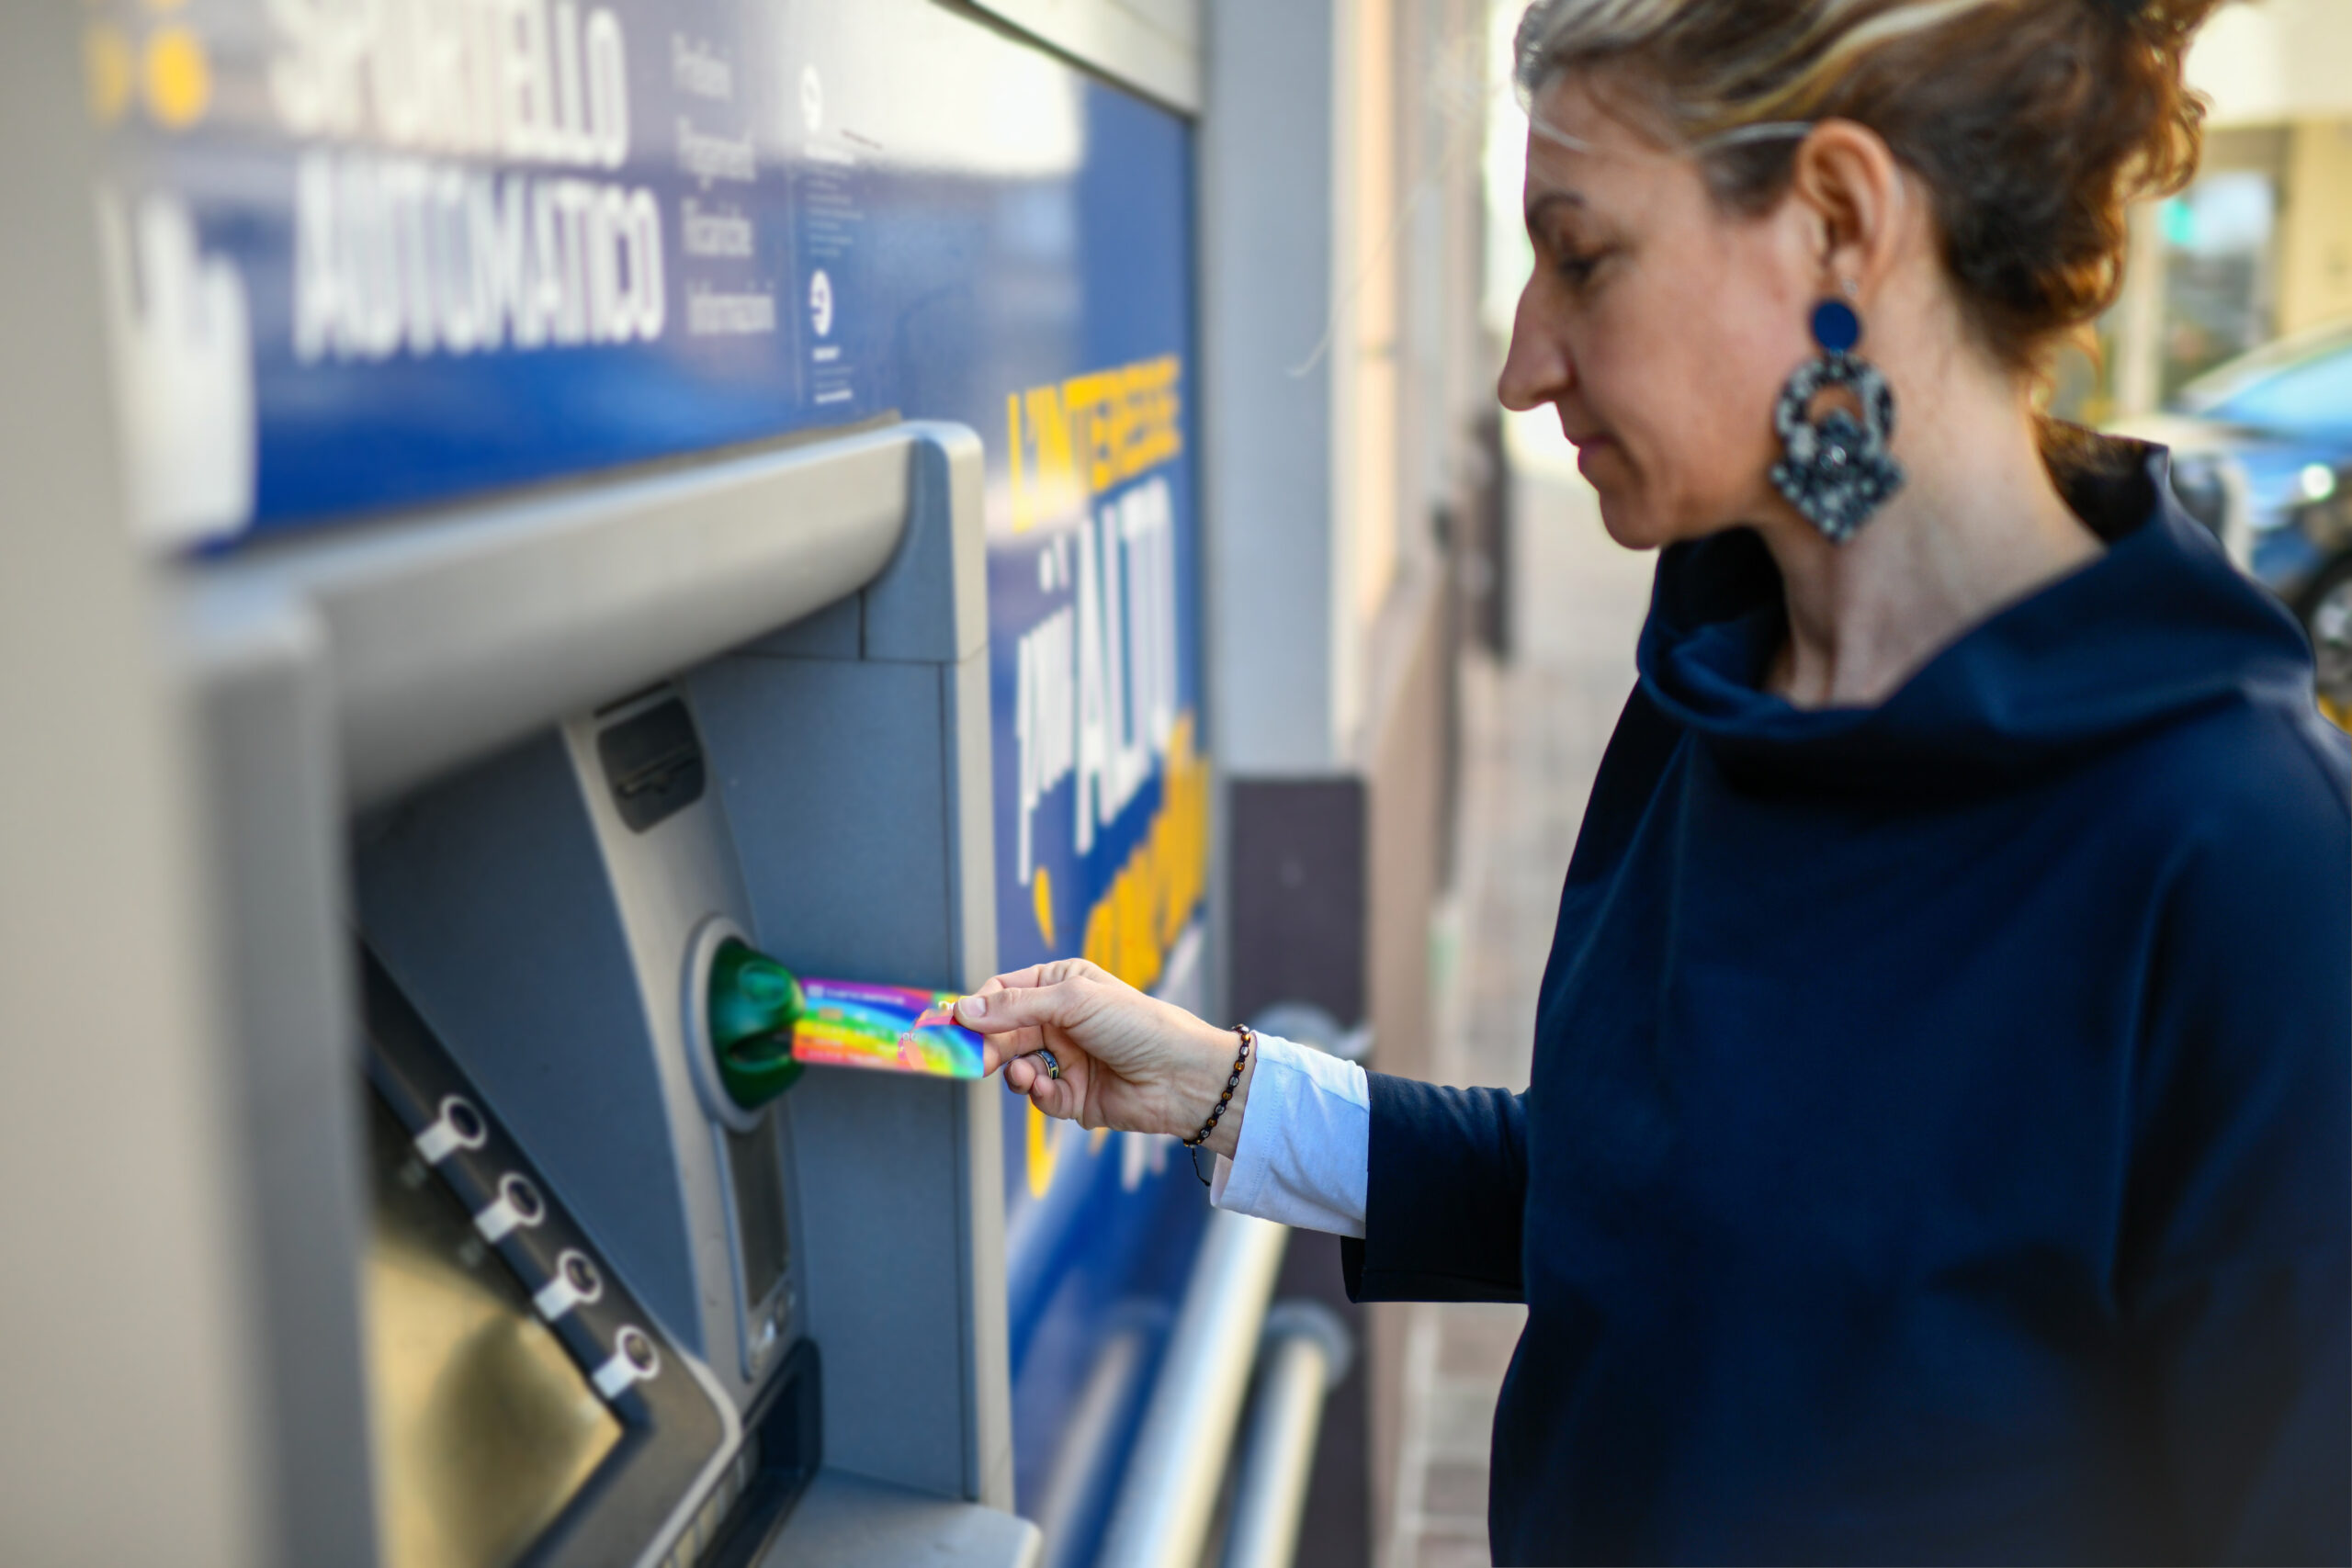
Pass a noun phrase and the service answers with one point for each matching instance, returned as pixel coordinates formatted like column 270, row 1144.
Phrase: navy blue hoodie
column 1940, row 1139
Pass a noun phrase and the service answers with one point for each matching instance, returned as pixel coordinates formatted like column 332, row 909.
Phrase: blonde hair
column 2031, row 123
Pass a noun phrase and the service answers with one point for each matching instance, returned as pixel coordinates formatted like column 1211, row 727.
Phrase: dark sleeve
column 1447, row 1184
column 2237, row 1246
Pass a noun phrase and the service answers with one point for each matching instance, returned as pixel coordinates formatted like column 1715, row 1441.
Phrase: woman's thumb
column 1000, row 1012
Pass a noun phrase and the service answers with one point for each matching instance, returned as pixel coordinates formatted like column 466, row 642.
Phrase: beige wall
column 2277, row 60
column 1371, row 256
column 2315, row 231
column 1363, row 342
column 1415, row 369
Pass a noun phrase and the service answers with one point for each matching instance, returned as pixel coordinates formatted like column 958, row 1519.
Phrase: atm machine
column 639, row 483
column 596, row 1308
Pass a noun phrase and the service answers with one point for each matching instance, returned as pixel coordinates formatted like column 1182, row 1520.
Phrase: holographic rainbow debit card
column 898, row 1028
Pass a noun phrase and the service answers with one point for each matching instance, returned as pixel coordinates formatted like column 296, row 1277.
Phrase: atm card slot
column 652, row 764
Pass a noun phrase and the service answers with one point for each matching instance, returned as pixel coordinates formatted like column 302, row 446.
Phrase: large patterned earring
column 1834, row 468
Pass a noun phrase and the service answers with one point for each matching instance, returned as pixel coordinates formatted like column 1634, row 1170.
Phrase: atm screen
column 484, row 1426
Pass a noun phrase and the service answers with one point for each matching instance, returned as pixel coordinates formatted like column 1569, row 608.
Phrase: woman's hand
column 1129, row 1061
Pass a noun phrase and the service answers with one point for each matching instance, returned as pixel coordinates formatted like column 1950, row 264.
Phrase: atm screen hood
column 443, row 638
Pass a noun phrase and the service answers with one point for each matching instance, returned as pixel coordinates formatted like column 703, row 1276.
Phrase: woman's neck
column 1977, row 525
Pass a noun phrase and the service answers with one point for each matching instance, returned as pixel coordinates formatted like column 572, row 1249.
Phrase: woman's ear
column 1851, row 192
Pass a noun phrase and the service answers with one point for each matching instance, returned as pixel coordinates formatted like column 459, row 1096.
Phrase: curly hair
column 2031, row 123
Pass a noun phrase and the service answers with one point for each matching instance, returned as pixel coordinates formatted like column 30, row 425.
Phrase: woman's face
column 1658, row 325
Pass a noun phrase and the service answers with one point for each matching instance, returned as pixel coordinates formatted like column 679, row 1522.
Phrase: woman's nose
column 1537, row 370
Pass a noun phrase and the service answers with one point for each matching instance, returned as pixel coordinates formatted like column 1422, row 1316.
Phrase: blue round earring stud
column 1836, row 327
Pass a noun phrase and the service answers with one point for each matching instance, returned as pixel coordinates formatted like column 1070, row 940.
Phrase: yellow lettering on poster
column 1041, row 1152
column 1041, row 890
column 178, row 79
column 1069, row 442
column 1134, row 924
column 1149, row 902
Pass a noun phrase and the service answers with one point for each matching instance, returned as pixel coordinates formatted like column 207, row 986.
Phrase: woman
column 1937, row 1144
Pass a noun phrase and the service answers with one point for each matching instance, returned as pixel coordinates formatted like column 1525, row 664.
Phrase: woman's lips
column 1597, row 460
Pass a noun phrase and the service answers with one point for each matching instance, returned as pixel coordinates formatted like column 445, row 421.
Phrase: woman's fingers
column 1051, row 973
column 996, row 1050
column 1015, row 1007
column 1048, row 1007
column 1027, row 1074
column 989, row 1011
column 1061, row 1098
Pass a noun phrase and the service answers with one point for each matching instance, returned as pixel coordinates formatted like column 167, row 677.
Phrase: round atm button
column 525, row 1199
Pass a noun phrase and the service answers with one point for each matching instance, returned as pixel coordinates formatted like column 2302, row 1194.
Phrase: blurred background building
column 2230, row 343
column 2259, row 247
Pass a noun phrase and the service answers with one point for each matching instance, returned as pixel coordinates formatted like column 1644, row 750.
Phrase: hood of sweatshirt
column 2159, row 629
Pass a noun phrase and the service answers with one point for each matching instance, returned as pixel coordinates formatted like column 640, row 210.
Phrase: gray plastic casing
column 822, row 608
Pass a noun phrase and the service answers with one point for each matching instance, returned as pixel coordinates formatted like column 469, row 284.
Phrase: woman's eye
column 1577, row 267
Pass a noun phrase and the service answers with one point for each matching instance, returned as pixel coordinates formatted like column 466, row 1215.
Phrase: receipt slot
column 554, row 1277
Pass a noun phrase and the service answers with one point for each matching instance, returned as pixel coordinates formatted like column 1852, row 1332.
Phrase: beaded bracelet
column 1249, row 1040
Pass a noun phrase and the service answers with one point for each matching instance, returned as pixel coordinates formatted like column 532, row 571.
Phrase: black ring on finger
column 1053, row 1068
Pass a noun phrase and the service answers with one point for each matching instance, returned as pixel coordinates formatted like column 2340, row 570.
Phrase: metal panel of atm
column 610, row 1317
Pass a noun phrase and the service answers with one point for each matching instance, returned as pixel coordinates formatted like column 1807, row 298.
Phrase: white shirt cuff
column 1302, row 1158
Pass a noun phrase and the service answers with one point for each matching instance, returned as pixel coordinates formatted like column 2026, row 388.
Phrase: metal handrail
column 1168, row 1496
column 1305, row 1352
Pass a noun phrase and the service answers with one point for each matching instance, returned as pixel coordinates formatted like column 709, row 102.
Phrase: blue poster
column 371, row 256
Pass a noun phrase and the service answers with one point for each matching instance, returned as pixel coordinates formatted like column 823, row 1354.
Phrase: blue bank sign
column 371, row 256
